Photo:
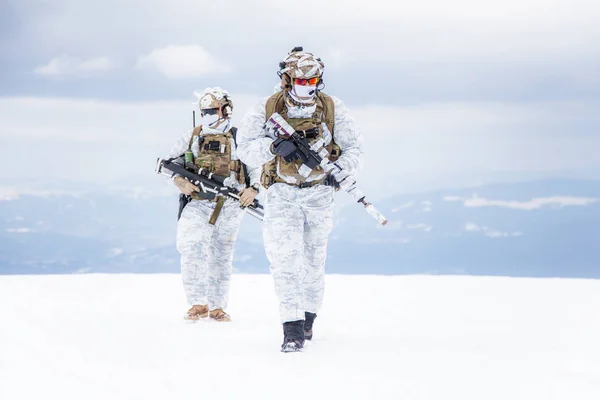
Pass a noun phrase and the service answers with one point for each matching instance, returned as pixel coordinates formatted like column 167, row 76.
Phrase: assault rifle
column 317, row 155
column 208, row 183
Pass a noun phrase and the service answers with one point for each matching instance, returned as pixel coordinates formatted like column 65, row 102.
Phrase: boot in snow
column 219, row 315
column 196, row 312
column 293, row 336
column 309, row 319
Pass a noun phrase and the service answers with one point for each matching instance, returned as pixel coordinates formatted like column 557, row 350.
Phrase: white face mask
column 215, row 123
column 210, row 119
column 305, row 93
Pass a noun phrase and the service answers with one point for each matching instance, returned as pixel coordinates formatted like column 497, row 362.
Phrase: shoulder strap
column 233, row 131
column 195, row 132
column 328, row 111
column 274, row 104
column 234, row 134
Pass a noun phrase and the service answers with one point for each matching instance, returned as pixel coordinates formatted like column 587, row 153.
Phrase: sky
column 444, row 92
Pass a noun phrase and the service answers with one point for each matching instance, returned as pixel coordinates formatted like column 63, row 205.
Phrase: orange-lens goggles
column 305, row 82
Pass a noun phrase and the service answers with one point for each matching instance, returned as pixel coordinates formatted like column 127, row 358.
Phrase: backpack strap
column 195, row 133
column 328, row 111
column 274, row 104
column 245, row 168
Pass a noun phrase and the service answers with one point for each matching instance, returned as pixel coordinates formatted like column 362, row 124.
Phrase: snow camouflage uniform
column 206, row 244
column 298, row 212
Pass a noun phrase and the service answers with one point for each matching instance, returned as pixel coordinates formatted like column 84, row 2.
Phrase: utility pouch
column 213, row 145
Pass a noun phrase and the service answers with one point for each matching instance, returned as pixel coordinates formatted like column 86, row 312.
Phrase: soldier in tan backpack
column 208, row 226
column 298, row 201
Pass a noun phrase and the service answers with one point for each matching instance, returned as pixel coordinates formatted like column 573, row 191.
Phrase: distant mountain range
column 547, row 228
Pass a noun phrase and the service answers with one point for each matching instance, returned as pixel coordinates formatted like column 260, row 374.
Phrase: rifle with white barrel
column 317, row 155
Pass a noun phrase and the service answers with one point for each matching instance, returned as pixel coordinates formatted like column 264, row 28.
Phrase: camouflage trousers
column 296, row 227
column 207, row 251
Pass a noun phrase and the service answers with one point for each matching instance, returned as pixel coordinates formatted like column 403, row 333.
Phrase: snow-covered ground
column 378, row 337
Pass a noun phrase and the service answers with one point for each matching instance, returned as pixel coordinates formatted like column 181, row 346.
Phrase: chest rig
column 311, row 128
column 214, row 156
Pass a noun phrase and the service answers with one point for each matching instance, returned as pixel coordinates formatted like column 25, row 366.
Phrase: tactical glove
column 285, row 149
column 331, row 181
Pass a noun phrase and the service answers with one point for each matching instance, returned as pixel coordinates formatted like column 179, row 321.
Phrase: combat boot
column 219, row 315
column 196, row 312
column 293, row 336
column 309, row 319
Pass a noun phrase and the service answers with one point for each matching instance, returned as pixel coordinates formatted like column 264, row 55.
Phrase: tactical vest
column 214, row 155
column 324, row 113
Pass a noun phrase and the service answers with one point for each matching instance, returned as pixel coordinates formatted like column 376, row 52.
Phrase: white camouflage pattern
column 298, row 221
column 302, row 64
column 212, row 98
column 207, row 250
column 296, row 227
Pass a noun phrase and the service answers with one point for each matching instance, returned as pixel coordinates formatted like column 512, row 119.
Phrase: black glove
column 330, row 181
column 285, row 149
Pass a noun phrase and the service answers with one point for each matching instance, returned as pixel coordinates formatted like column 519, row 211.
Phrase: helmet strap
column 286, row 82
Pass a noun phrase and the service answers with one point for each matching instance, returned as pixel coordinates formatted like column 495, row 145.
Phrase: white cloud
column 533, row 204
column 68, row 65
column 426, row 206
column 392, row 226
column 541, row 11
column 471, row 227
column 433, row 142
column 497, row 234
column 97, row 64
column 25, row 189
column 115, row 251
column 387, row 240
column 19, row 230
column 99, row 121
column 491, row 233
column 421, row 227
column 452, row 198
column 8, row 194
column 403, row 206
column 93, row 140
column 178, row 62
column 426, row 32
